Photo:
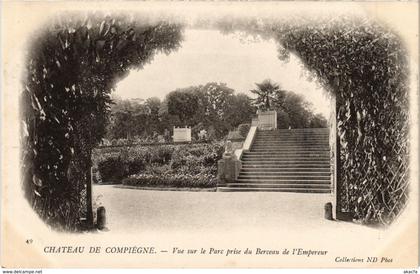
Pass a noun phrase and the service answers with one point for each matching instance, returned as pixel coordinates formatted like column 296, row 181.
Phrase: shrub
column 111, row 169
column 172, row 180
column 117, row 163
column 179, row 158
column 162, row 154
column 244, row 129
column 135, row 166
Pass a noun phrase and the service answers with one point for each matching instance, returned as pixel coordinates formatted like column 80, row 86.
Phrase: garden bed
column 164, row 166
column 166, row 188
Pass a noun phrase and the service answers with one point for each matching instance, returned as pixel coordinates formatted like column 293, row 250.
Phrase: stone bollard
column 328, row 214
column 101, row 218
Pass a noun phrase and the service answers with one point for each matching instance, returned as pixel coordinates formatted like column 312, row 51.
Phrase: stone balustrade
column 229, row 166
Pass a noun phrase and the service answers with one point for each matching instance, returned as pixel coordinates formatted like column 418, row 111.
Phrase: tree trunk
column 89, row 210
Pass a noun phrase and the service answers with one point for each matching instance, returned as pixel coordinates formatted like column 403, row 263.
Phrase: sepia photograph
column 209, row 134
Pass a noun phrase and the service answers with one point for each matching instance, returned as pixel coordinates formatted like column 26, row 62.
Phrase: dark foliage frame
column 71, row 70
column 74, row 64
column 364, row 65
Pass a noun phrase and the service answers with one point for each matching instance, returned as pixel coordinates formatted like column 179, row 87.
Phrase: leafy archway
column 74, row 64
column 71, row 71
column 364, row 65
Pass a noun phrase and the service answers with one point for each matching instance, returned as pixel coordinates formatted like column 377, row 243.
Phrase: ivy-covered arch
column 71, row 70
column 364, row 65
column 74, row 64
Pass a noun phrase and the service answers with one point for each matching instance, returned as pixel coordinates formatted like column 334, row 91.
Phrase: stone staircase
column 295, row 160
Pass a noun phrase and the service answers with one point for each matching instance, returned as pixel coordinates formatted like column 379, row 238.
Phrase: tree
column 318, row 121
column 240, row 110
column 216, row 99
column 153, row 106
column 297, row 109
column 212, row 104
column 184, row 104
column 266, row 94
column 283, row 119
column 292, row 109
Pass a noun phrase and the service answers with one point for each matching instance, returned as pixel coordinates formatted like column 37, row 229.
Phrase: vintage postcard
column 209, row 134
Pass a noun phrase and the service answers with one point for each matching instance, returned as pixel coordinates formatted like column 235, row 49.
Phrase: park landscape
column 85, row 147
column 214, row 113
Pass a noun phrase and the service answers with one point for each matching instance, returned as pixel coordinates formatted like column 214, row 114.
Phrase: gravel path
column 266, row 220
column 129, row 210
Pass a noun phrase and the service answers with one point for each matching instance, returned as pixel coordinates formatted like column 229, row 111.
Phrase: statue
column 229, row 152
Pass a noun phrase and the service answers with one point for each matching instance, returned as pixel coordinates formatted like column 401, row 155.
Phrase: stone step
column 280, row 168
column 294, row 143
column 291, row 141
column 285, row 165
column 264, row 185
column 296, row 132
column 282, row 154
column 246, row 172
column 285, row 168
column 304, row 129
column 296, row 160
column 288, row 162
column 284, row 177
column 288, row 149
column 269, row 170
column 282, row 181
column 293, row 136
column 293, row 132
column 289, row 138
column 263, row 151
column 308, row 178
column 285, row 157
column 290, row 145
column 267, row 189
column 287, row 152
column 273, row 163
column 304, row 135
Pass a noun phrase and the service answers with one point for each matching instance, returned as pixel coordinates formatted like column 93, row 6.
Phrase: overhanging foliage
column 74, row 64
column 364, row 65
column 72, row 67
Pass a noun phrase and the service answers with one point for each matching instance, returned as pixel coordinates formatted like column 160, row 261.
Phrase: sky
column 210, row 56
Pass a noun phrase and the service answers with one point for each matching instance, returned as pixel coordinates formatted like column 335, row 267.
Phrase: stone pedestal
column 101, row 218
column 328, row 211
column 228, row 169
column 267, row 120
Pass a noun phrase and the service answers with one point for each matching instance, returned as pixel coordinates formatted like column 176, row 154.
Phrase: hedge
column 172, row 180
column 192, row 165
